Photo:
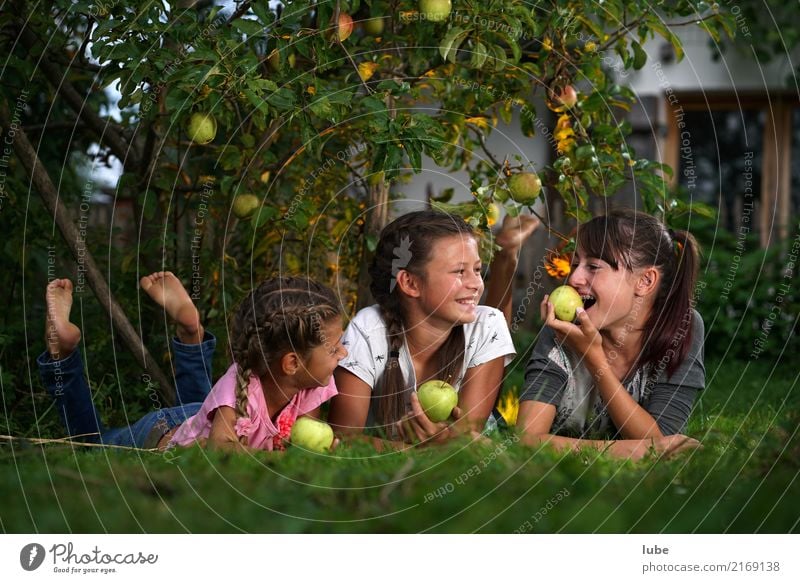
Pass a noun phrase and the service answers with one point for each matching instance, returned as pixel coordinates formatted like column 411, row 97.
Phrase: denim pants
column 66, row 382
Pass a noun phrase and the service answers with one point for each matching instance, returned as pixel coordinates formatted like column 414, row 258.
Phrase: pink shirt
column 262, row 433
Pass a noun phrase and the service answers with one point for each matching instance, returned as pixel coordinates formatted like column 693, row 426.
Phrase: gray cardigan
column 557, row 376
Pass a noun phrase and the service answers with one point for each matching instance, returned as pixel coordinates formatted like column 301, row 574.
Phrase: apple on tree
column 373, row 26
column 344, row 27
column 566, row 300
column 437, row 399
column 311, row 434
column 435, row 10
column 245, row 204
column 524, row 187
column 202, row 128
column 568, row 97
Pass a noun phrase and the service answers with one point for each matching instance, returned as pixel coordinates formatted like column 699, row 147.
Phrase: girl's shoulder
column 368, row 319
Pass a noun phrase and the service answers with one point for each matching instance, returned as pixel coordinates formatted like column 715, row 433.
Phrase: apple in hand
column 566, row 300
column 525, row 187
column 202, row 128
column 435, row 10
column 437, row 399
column 312, row 434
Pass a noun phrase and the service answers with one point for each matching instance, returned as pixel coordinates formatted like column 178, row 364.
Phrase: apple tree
column 266, row 137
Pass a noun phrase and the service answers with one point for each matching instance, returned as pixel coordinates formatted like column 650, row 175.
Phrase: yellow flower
column 509, row 408
column 590, row 47
column 367, row 69
column 564, row 134
column 311, row 90
column 557, row 266
column 479, row 121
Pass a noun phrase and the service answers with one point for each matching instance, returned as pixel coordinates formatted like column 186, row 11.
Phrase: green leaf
column 282, row 99
column 479, row 56
column 249, row 27
column 639, row 56
column 452, row 40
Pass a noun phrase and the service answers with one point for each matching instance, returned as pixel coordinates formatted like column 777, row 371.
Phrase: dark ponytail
column 405, row 244
column 634, row 240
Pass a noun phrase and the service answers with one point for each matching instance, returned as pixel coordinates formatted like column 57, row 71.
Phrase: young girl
column 286, row 342
column 625, row 375
column 427, row 324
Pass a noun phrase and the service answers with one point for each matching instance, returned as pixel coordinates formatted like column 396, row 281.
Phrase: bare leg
column 61, row 335
column 167, row 291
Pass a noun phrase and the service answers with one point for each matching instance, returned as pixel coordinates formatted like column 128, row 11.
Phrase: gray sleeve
column 544, row 379
column 671, row 399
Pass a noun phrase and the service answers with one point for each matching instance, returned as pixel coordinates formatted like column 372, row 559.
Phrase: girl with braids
column 286, row 343
column 624, row 376
column 427, row 324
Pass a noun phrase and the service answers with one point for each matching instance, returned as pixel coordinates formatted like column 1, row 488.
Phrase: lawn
column 744, row 481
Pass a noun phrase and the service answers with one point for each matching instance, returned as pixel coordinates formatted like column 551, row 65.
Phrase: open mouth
column 588, row 301
column 467, row 302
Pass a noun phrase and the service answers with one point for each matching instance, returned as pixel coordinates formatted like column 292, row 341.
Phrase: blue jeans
column 66, row 383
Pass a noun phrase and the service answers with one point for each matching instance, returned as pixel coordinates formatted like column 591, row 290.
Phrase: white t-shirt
column 485, row 339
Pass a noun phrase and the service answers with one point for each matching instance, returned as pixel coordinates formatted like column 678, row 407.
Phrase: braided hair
column 406, row 243
column 282, row 314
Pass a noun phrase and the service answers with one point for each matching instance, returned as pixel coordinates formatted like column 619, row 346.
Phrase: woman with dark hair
column 426, row 279
column 622, row 377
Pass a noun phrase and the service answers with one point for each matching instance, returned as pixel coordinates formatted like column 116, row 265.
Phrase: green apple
column 435, row 10
column 202, row 128
column 437, row 399
column 245, row 204
column 565, row 300
column 312, row 434
column 373, row 26
column 274, row 60
column 524, row 187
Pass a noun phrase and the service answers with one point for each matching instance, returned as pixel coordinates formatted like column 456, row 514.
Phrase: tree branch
column 106, row 131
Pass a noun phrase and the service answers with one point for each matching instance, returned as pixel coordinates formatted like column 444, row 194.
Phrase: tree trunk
column 376, row 220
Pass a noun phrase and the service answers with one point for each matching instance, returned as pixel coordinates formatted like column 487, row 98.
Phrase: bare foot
column 61, row 335
column 167, row 291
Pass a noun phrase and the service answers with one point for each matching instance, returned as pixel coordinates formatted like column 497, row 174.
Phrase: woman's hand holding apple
column 416, row 427
column 582, row 337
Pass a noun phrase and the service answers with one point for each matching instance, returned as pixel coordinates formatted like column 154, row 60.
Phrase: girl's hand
column 515, row 231
column 660, row 447
column 416, row 427
column 582, row 337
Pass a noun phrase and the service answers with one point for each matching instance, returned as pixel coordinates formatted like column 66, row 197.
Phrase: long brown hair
column 406, row 243
column 628, row 239
column 282, row 314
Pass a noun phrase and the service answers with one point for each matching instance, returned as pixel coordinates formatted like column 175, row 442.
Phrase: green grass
column 744, row 480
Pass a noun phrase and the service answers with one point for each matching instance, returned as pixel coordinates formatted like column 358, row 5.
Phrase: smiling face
column 610, row 296
column 318, row 366
column 451, row 284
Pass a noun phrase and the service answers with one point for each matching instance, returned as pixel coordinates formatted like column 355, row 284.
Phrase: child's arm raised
column 513, row 234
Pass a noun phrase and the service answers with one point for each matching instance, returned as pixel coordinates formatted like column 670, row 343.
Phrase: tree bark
column 44, row 185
